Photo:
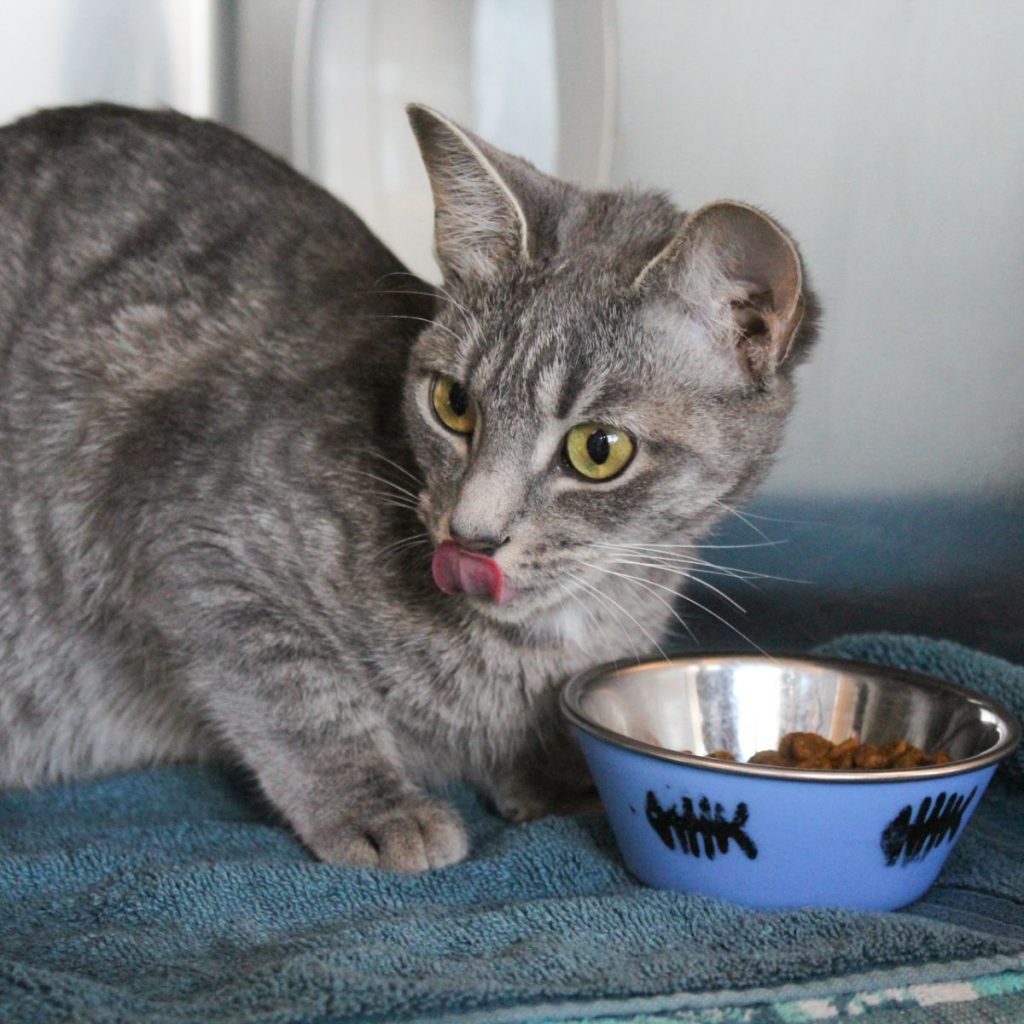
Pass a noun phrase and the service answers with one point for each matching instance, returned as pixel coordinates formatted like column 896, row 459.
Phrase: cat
column 267, row 497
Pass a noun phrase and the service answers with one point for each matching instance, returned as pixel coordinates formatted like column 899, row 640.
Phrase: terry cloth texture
column 170, row 896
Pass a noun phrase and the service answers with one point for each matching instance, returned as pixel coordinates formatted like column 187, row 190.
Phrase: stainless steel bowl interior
column 745, row 704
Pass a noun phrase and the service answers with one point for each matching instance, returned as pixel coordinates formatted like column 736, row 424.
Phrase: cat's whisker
column 787, row 522
column 697, row 570
column 679, row 572
column 624, row 611
column 415, row 538
column 439, row 294
column 439, row 291
column 396, row 498
column 386, row 498
column 741, row 517
column 681, row 563
column 685, row 597
column 413, row 555
column 650, row 586
column 421, row 319
column 389, row 483
column 689, row 563
column 467, row 319
column 667, row 556
column 391, row 462
column 701, row 565
column 393, row 503
column 561, row 593
column 395, row 273
column 703, row 547
column 389, row 551
column 583, row 585
column 573, row 592
column 455, row 302
column 607, row 602
column 403, row 291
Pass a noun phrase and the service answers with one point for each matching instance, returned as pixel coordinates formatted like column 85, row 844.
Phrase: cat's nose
column 479, row 544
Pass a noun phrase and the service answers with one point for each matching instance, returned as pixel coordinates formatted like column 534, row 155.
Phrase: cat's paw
column 414, row 834
column 520, row 802
column 519, row 805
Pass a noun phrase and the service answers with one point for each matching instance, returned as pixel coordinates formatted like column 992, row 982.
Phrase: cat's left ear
column 741, row 273
column 481, row 193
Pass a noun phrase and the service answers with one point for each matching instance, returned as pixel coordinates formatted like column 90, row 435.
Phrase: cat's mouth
column 458, row 571
column 485, row 584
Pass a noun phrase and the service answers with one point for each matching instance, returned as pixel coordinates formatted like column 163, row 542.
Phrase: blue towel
column 169, row 896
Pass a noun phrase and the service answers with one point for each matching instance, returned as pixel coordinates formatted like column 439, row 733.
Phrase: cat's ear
column 740, row 272
column 480, row 226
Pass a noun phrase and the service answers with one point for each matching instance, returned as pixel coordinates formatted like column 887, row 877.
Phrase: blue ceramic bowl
column 783, row 837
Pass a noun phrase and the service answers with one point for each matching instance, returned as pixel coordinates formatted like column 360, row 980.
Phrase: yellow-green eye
column 598, row 452
column 452, row 405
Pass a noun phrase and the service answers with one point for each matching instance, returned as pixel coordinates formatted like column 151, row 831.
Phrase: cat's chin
column 539, row 611
column 515, row 607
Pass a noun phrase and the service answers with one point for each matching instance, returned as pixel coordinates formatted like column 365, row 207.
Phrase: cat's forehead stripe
column 548, row 386
column 480, row 365
column 543, row 378
column 574, row 383
column 539, row 371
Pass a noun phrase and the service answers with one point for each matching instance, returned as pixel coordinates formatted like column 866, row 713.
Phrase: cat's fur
column 217, row 459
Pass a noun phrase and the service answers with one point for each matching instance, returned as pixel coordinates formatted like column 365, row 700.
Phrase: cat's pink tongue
column 458, row 571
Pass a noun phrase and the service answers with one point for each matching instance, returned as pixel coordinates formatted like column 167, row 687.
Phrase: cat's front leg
column 325, row 757
column 353, row 805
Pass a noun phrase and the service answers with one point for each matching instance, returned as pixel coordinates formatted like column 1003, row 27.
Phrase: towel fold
column 167, row 896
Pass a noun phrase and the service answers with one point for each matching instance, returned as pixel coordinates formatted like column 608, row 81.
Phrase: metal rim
column 577, row 686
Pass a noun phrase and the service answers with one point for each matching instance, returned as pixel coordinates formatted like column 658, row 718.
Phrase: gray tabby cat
column 266, row 496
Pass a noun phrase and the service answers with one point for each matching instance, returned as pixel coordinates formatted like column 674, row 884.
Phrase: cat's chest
column 470, row 701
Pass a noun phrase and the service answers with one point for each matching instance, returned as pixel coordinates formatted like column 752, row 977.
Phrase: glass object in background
column 533, row 77
column 140, row 52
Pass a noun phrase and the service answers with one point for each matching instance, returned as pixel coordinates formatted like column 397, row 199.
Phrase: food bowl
column 768, row 836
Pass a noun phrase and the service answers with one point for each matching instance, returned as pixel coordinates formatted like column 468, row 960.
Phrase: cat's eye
column 598, row 452
column 452, row 405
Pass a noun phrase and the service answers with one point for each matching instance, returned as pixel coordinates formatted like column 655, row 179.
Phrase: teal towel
column 170, row 896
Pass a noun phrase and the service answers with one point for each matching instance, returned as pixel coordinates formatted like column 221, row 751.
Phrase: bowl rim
column 573, row 691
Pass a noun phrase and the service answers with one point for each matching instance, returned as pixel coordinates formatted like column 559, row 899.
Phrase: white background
column 888, row 135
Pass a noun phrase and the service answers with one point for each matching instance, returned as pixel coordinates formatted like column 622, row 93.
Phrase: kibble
column 811, row 751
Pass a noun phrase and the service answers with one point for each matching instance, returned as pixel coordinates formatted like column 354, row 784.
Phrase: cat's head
column 604, row 370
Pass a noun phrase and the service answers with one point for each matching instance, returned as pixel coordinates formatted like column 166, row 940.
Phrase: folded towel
column 168, row 896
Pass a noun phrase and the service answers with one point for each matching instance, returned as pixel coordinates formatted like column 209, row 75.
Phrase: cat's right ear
column 480, row 226
column 740, row 273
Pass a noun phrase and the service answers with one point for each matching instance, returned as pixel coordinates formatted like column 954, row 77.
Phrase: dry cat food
column 809, row 750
